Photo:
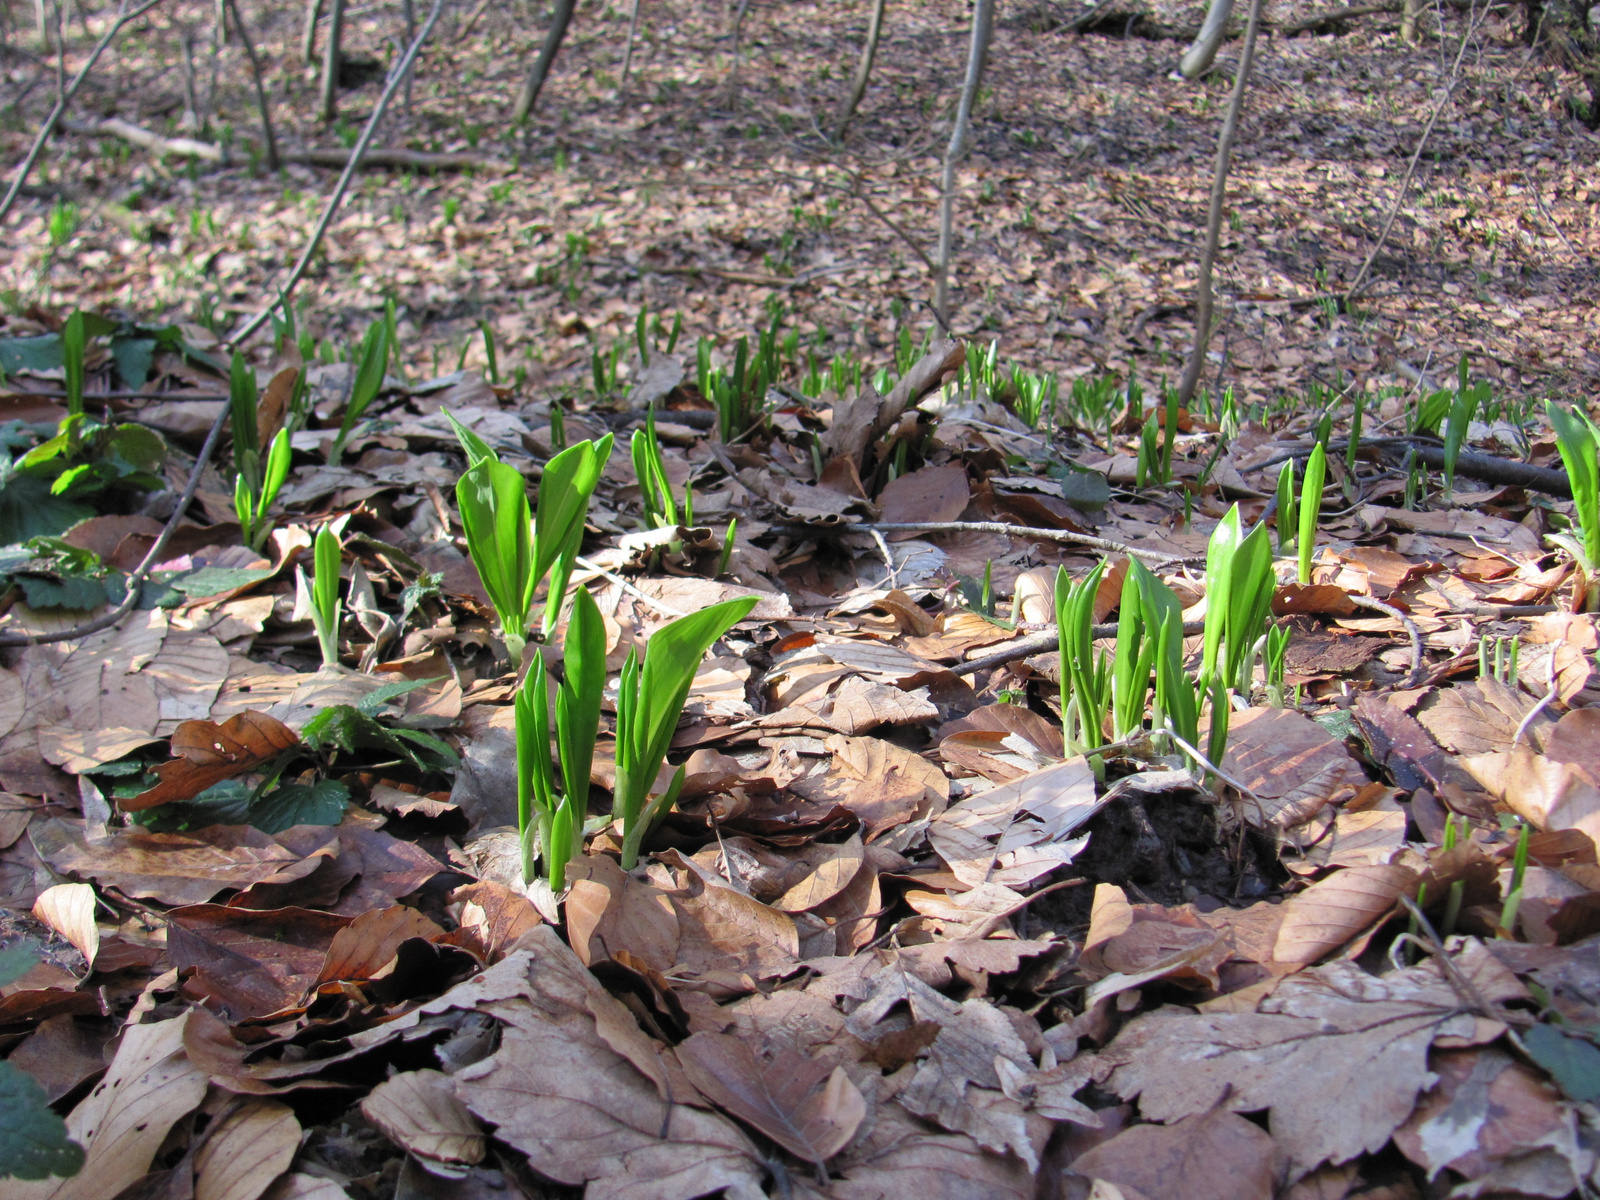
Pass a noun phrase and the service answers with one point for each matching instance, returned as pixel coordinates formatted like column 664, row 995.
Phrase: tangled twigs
column 124, row 15
column 214, row 434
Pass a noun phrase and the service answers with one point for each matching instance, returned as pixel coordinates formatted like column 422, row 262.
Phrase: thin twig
column 1416, row 156
column 1024, row 531
column 65, row 98
column 1046, row 640
column 262, row 102
column 1544, row 701
column 1414, row 675
column 612, row 577
column 1206, row 764
column 888, row 558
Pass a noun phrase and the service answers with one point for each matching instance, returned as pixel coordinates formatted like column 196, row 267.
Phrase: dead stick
column 1040, row 643
column 261, row 88
column 1414, row 675
column 1027, row 531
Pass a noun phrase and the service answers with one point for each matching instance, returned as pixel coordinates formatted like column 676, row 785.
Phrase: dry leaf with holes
column 149, row 1087
column 208, row 753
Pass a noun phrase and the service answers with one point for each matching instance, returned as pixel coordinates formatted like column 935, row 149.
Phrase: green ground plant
column 372, row 365
column 1578, row 441
column 1310, row 511
column 256, row 483
column 514, row 547
column 551, row 815
column 650, row 699
column 324, row 593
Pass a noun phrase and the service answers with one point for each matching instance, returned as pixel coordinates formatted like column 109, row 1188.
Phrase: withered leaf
column 1329, row 913
column 208, row 753
column 798, row 1102
column 1215, row 1155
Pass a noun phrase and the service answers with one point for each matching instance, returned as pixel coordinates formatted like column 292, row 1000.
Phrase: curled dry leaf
column 1290, row 762
column 1328, row 914
column 1558, row 789
column 1018, row 831
column 364, row 947
column 208, row 753
column 1215, row 1155
column 798, row 1102
column 420, row 1111
column 68, row 908
column 248, row 1150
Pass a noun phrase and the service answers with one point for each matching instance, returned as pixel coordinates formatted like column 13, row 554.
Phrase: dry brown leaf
column 299, row 1186
column 247, row 1151
column 149, row 1087
column 1018, row 831
column 490, row 918
column 364, row 947
column 208, row 753
column 882, row 783
column 68, row 908
column 1328, row 914
column 1364, row 1041
column 797, row 1101
column 1290, row 762
column 831, row 869
column 1214, row 1155
column 926, row 494
column 174, row 868
column 420, row 1111
column 1485, row 1111
column 557, row 1092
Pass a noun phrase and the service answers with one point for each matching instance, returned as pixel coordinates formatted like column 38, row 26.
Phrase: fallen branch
column 182, row 147
column 1040, row 643
column 1321, row 21
column 1413, row 633
column 1485, row 468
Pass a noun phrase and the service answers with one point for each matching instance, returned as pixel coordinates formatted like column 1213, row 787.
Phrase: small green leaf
column 346, row 728
column 1085, row 490
column 33, row 1139
column 1573, row 1062
column 319, row 803
column 16, row 961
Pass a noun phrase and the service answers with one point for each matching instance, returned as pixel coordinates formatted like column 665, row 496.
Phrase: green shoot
column 1353, row 445
column 1177, row 706
column 252, row 508
column 1142, row 612
column 475, row 448
column 1083, row 677
column 368, row 383
column 1519, row 867
column 1578, row 440
column 558, row 428
column 1311, row 510
column 489, row 355
column 1239, row 587
column 655, row 489
column 1169, row 434
column 1287, row 509
column 74, row 346
column 1463, row 408
column 514, row 553
column 1148, row 469
column 324, row 593
column 728, row 547
column 556, row 815
column 1277, row 655
column 1452, row 911
column 649, row 701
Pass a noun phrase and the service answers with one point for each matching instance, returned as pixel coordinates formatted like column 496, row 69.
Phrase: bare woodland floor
column 1079, row 218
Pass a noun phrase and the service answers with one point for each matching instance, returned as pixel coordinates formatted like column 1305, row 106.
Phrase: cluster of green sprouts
column 1145, row 670
column 1578, row 441
column 1299, row 512
column 661, row 509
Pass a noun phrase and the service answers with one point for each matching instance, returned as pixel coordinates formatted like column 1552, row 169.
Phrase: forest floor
column 909, row 931
column 1079, row 220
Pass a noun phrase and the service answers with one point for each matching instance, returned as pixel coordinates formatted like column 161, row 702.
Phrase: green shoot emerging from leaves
column 649, row 701
column 324, row 593
column 1579, row 443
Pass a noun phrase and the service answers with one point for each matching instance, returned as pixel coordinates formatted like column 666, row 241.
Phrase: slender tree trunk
column 978, row 53
column 738, row 32
column 1197, row 59
column 858, row 89
column 1219, row 193
column 627, row 55
column 411, row 34
column 1408, row 20
column 191, row 88
column 534, row 84
column 41, row 24
column 330, row 61
column 262, row 102
column 308, row 39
